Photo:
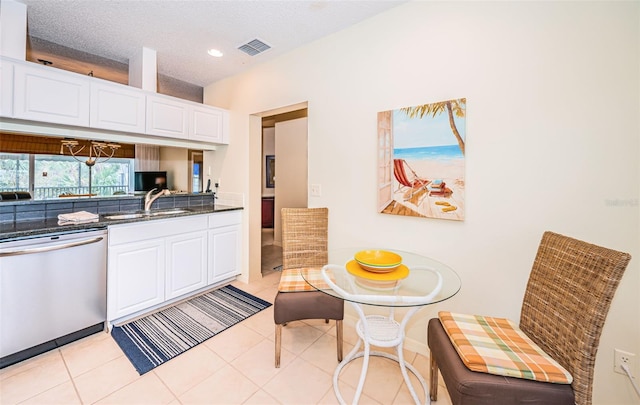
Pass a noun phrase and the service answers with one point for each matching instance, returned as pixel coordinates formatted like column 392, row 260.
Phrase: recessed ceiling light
column 214, row 52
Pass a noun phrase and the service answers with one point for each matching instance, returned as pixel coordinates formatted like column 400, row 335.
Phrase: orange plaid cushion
column 497, row 346
column 291, row 281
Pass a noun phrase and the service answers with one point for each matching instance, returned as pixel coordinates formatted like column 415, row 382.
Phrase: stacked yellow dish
column 379, row 269
column 378, row 261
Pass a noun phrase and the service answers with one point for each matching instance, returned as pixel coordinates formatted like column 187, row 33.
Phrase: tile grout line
column 175, row 396
column 71, row 378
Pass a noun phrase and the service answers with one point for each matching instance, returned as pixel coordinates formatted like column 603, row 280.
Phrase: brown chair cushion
column 295, row 306
column 468, row 387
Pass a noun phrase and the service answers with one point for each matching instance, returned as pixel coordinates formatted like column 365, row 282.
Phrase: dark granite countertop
column 138, row 196
column 26, row 229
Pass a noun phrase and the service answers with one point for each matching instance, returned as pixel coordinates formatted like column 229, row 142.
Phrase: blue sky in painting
column 427, row 131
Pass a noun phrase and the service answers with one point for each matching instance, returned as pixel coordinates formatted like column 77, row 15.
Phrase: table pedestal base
column 364, row 329
column 336, row 376
column 421, row 286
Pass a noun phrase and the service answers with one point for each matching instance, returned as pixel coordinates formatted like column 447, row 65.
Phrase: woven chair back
column 567, row 299
column 304, row 237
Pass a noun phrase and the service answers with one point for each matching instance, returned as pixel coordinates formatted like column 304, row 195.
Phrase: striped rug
column 159, row 337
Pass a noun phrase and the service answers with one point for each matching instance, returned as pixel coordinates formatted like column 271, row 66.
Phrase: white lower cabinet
column 152, row 262
column 186, row 262
column 224, row 245
column 136, row 277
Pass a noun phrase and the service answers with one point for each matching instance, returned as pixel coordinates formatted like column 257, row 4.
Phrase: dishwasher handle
column 50, row 248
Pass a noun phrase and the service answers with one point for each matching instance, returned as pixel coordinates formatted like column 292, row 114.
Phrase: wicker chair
column 566, row 301
column 304, row 244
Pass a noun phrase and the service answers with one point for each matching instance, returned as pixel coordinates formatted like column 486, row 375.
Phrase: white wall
column 268, row 148
column 291, row 170
column 552, row 120
column 13, row 30
column 175, row 161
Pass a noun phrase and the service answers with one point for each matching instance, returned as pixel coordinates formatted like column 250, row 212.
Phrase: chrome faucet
column 148, row 199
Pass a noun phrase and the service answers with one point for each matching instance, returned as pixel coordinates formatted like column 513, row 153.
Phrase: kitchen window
column 49, row 176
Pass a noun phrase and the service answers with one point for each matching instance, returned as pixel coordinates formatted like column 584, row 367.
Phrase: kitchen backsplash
column 30, row 210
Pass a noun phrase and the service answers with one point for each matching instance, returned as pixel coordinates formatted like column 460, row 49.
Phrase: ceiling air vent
column 254, row 47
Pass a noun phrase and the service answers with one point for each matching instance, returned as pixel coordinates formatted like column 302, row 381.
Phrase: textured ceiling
column 182, row 31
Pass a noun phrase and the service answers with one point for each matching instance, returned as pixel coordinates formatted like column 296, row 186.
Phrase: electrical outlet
column 621, row 357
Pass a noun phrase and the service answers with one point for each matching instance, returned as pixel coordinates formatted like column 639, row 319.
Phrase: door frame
column 255, row 185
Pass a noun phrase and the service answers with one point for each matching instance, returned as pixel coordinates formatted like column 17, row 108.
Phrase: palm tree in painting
column 456, row 107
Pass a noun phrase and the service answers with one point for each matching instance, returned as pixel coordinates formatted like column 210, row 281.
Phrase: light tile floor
column 234, row 367
column 271, row 254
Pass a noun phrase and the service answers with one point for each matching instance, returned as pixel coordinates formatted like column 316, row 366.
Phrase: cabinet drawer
column 119, row 234
column 225, row 219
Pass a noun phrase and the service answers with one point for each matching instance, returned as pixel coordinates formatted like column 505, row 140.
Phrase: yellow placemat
column 354, row 268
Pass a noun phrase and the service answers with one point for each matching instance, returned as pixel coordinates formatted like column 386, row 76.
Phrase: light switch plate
column 316, row 190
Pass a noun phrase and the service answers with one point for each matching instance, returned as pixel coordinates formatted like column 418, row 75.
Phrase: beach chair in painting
column 414, row 182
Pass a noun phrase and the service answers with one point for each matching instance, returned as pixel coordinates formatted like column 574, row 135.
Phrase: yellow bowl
column 378, row 260
column 375, row 269
column 356, row 269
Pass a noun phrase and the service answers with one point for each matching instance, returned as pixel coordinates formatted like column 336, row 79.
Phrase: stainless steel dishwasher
column 53, row 290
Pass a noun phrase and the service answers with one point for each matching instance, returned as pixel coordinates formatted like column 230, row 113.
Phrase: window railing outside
column 53, row 192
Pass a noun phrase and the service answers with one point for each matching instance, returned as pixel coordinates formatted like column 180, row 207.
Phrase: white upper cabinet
column 50, row 95
column 117, row 107
column 39, row 93
column 175, row 118
column 208, row 124
column 167, row 117
column 6, row 88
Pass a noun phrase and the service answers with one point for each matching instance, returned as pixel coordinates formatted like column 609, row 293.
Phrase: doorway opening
column 281, row 159
column 195, row 171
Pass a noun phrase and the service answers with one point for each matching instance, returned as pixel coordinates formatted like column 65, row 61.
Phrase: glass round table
column 417, row 282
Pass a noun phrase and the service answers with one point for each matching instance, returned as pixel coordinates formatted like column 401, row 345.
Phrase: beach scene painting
column 421, row 153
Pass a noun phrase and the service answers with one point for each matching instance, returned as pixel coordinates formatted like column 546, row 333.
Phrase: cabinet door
column 207, row 124
column 50, row 95
column 166, row 117
column 267, row 212
column 117, row 107
column 224, row 253
column 186, row 263
column 135, row 277
column 6, row 88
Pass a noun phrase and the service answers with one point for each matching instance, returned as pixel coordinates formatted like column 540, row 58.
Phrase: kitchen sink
column 168, row 212
column 125, row 216
column 143, row 214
